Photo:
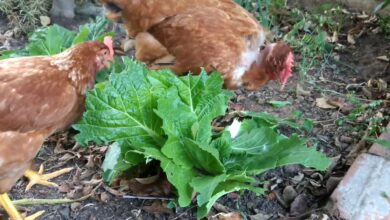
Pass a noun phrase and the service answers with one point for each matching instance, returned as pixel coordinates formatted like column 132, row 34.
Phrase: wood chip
column 351, row 39
column 383, row 58
column 45, row 21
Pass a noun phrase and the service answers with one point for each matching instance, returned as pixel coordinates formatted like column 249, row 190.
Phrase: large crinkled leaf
column 122, row 109
column 223, row 189
column 182, row 127
column 178, row 176
column 50, row 41
column 254, row 141
column 55, row 39
column 261, row 154
column 203, row 99
column 206, row 185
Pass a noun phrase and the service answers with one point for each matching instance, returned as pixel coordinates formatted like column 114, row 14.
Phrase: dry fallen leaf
column 338, row 102
column 158, row 207
column 324, row 104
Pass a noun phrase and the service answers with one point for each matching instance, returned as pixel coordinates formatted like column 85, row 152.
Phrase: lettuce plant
column 155, row 115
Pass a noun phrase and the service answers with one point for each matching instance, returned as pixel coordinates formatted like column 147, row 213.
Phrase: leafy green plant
column 155, row 115
column 381, row 6
column 263, row 10
column 55, row 39
column 383, row 142
column 309, row 38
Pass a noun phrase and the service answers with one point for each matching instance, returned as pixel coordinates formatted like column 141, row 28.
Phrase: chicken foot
column 43, row 179
column 13, row 213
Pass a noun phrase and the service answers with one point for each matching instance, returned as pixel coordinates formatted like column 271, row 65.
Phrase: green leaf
column 82, row 36
column 383, row 142
column 223, row 145
column 51, row 40
column 269, row 120
column 118, row 159
column 206, row 185
column 55, row 39
column 253, row 141
column 285, row 151
column 122, row 109
column 223, row 189
column 279, row 104
column 179, row 177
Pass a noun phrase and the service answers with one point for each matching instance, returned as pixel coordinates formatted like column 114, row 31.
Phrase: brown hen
column 39, row 96
column 214, row 34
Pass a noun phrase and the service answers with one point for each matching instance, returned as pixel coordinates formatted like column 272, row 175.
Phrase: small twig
column 148, row 198
column 22, row 202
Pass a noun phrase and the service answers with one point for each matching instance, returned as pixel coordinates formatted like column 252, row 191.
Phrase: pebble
column 346, row 139
column 300, row 205
column 289, row 194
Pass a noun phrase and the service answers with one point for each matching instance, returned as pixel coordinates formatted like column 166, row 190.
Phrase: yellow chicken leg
column 43, row 179
column 13, row 213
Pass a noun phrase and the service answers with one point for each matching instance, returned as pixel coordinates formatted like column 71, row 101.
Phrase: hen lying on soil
column 39, row 96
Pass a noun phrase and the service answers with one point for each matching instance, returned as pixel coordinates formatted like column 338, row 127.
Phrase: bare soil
column 294, row 192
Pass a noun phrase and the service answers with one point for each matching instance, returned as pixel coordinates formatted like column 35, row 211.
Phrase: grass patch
column 23, row 15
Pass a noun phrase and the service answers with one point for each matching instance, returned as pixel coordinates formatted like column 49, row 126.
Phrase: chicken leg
column 43, row 179
column 13, row 213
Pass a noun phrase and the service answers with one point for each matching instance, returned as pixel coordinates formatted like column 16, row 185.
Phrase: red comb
column 108, row 42
column 287, row 71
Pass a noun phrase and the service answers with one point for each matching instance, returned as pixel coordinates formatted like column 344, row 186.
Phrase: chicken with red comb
column 40, row 95
column 207, row 39
column 189, row 35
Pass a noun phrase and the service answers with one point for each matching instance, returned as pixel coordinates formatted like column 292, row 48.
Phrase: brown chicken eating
column 139, row 17
column 213, row 34
column 40, row 95
column 206, row 38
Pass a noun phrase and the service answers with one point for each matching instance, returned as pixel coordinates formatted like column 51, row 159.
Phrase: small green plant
column 382, row 5
column 308, row 36
column 264, row 10
column 55, row 39
column 157, row 115
column 23, row 15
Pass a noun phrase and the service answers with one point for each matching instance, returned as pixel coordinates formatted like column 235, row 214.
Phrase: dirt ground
column 294, row 192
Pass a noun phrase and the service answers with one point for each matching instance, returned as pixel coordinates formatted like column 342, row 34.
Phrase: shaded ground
column 294, row 192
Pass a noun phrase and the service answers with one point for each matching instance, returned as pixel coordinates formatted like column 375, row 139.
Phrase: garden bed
column 294, row 192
